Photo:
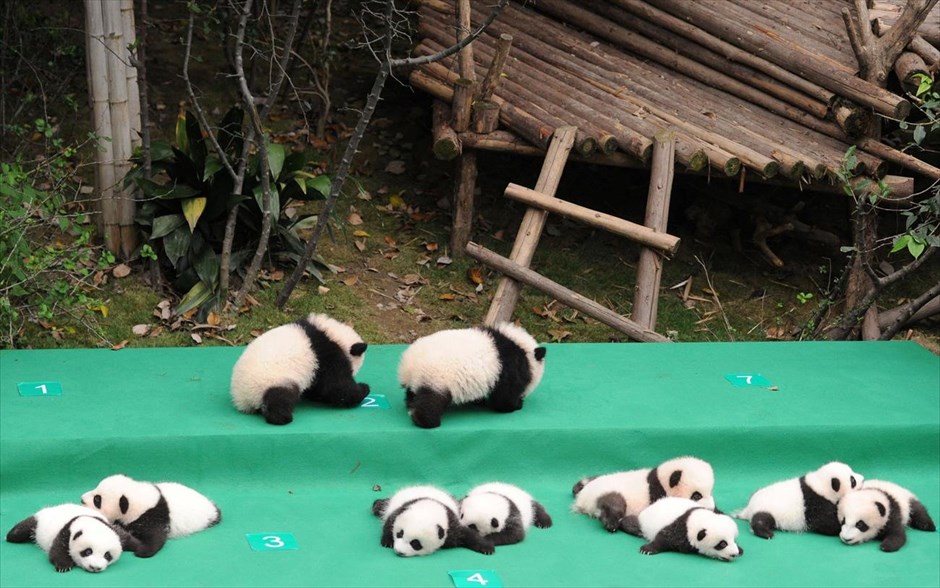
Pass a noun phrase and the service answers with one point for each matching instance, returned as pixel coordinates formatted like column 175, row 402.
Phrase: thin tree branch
column 912, row 307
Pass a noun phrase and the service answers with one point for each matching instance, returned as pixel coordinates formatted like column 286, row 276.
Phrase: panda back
column 632, row 485
column 522, row 499
column 190, row 511
column 413, row 493
column 662, row 513
column 279, row 357
column 50, row 520
column 783, row 500
column 901, row 495
column 464, row 362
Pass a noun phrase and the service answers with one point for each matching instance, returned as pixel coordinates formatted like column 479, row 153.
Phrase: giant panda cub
column 683, row 525
column 807, row 503
column 314, row 358
column 500, row 365
column 74, row 535
column 152, row 513
column 613, row 496
column 502, row 512
column 881, row 510
column 419, row 520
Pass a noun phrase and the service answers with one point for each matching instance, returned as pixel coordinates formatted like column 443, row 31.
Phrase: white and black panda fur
column 419, row 520
column 683, row 525
column 315, row 358
column 807, row 503
column 500, row 365
column 74, row 535
column 152, row 513
column 613, row 496
column 881, row 510
column 502, row 512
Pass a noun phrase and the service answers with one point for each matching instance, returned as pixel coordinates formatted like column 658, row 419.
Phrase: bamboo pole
column 107, row 220
column 568, row 297
column 530, row 230
column 465, row 88
column 120, row 125
column 649, row 270
column 618, row 226
column 133, row 90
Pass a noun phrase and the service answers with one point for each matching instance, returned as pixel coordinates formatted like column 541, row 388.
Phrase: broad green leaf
column 900, row 243
column 192, row 210
column 182, row 141
column 197, row 296
column 919, row 133
column 321, row 184
column 307, row 222
column 177, row 243
column 213, row 164
column 916, row 247
column 160, row 151
column 164, row 225
column 207, row 266
column 275, row 200
column 276, row 155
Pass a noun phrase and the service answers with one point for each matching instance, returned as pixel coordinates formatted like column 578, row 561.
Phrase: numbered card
column 39, row 388
column 271, row 541
column 375, row 401
column 748, row 380
column 475, row 579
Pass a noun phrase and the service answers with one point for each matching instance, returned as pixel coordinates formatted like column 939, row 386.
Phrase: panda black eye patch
column 494, row 522
column 400, row 534
column 107, row 556
column 473, row 526
column 86, row 552
column 416, row 545
column 97, row 501
column 861, row 526
column 696, row 496
column 721, row 545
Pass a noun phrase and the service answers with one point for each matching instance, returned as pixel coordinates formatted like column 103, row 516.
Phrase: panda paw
column 62, row 569
column 648, row 549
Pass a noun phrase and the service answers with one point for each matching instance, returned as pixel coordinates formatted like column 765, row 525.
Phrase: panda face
column 862, row 515
column 121, row 499
column 688, row 477
column 93, row 545
column 421, row 529
column 714, row 535
column 834, row 480
column 486, row 513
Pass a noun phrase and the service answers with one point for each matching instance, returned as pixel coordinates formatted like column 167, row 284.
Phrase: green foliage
column 185, row 210
column 46, row 261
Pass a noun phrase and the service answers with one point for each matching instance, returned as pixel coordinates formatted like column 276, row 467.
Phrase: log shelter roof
column 766, row 86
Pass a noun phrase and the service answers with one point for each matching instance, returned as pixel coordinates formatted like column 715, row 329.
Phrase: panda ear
column 836, row 484
column 124, row 504
column 440, row 532
column 881, row 508
column 674, row 478
column 540, row 353
column 701, row 534
column 358, row 349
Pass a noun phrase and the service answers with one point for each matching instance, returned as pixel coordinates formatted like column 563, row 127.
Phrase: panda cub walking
column 314, row 358
column 881, row 510
column 502, row 512
column 500, row 365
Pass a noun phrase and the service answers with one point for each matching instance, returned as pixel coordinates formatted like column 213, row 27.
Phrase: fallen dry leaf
column 256, row 332
column 558, row 335
column 444, row 260
column 322, row 290
column 431, row 247
column 395, row 201
column 156, row 331
column 121, row 271
column 410, row 279
column 195, row 337
column 389, row 241
column 119, row 346
column 360, row 244
column 351, row 281
column 354, row 219
column 447, row 296
column 396, row 167
column 214, row 319
column 475, row 275
column 360, row 233
column 140, row 330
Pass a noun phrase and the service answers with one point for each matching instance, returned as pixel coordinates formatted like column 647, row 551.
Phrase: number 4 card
column 475, row 579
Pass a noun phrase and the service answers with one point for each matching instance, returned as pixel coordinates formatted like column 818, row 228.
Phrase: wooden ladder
column 541, row 201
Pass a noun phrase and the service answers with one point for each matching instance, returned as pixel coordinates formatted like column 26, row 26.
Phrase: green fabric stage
column 165, row 414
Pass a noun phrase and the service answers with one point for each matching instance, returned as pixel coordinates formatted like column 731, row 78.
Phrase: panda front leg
column 426, row 406
column 278, row 404
column 612, row 509
column 894, row 541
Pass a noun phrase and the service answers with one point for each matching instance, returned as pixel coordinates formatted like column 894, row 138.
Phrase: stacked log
column 765, row 86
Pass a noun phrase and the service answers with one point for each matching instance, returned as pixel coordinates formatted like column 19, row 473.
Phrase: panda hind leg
column 348, row 394
column 763, row 525
column 23, row 532
column 542, row 519
column 919, row 518
column 426, row 407
column 278, row 404
column 612, row 509
column 631, row 526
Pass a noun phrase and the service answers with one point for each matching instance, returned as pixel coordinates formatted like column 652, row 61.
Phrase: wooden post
column 465, row 87
column 446, row 144
column 464, row 186
column 507, row 292
column 650, row 268
column 107, row 218
column 133, row 90
column 564, row 295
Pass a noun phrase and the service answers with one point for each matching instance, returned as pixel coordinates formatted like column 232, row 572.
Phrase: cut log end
column 732, row 167
column 446, row 149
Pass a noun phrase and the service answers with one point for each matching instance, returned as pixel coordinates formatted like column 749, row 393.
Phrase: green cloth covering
column 166, row 415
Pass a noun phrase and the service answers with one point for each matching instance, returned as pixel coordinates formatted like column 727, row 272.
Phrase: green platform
column 165, row 414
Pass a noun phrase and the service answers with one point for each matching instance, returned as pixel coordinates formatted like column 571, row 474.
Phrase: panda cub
column 807, row 503
column 613, row 496
column 314, row 358
column 73, row 535
column 419, row 520
column 152, row 513
column 881, row 510
column 502, row 512
column 680, row 524
column 500, row 365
